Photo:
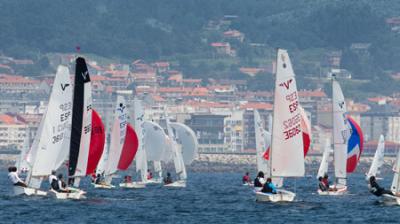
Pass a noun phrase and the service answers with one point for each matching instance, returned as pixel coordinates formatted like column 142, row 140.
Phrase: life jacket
column 257, row 182
column 54, row 185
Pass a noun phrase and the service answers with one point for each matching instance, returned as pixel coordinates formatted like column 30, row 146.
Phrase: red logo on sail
column 286, row 84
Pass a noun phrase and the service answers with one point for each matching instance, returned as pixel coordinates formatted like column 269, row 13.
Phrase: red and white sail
column 118, row 133
column 96, row 143
column 287, row 154
column 129, row 148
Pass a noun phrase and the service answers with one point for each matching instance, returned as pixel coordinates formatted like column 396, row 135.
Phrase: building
column 12, row 131
column 381, row 120
column 209, row 130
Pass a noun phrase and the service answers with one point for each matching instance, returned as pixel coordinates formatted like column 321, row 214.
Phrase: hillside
column 183, row 31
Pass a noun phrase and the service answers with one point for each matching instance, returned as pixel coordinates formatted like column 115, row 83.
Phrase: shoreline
column 230, row 162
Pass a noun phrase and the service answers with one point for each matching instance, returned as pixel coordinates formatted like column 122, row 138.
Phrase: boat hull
column 28, row 191
column 280, row 196
column 103, row 186
column 177, row 184
column 390, row 199
column 63, row 196
column 135, row 185
column 338, row 192
column 154, row 181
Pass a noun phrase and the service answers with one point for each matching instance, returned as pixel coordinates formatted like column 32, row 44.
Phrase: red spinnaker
column 129, row 149
column 97, row 141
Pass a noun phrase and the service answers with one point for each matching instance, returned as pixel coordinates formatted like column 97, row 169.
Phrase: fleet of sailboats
column 71, row 131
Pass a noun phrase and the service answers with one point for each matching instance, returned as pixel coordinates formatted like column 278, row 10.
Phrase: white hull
column 338, row 192
column 248, row 184
column 179, row 183
column 154, row 181
column 390, row 199
column 136, row 185
column 280, row 196
column 63, row 196
column 103, row 186
column 28, row 191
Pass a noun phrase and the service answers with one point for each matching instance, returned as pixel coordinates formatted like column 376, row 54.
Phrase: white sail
column 118, row 133
column 140, row 158
column 52, row 129
column 157, row 169
column 21, row 162
column 377, row 162
column 154, row 141
column 262, row 145
column 86, row 133
column 187, row 139
column 177, row 153
column 287, row 156
column 323, row 167
column 101, row 167
column 340, row 132
column 396, row 180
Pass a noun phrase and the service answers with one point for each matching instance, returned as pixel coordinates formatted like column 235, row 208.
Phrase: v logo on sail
column 63, row 86
column 286, row 84
column 85, row 74
column 341, row 104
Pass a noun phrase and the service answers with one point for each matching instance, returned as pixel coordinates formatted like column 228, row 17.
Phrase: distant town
column 220, row 113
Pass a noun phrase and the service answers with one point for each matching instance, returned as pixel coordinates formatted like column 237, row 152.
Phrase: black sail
column 81, row 77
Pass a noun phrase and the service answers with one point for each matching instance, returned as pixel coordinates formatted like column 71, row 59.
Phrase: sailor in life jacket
column 13, row 177
column 52, row 177
column 259, row 181
column 149, row 175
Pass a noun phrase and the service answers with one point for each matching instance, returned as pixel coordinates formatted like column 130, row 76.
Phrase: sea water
column 208, row 198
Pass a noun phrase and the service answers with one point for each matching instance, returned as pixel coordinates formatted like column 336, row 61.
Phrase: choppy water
column 208, row 198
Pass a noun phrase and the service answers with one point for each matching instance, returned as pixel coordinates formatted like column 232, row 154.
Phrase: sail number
column 292, row 132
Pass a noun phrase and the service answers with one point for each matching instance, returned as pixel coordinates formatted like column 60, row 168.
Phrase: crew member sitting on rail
column 13, row 176
column 269, row 187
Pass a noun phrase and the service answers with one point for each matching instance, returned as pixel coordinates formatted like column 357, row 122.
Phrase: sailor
column 246, row 178
column 322, row 185
column 98, row 179
column 149, row 175
column 375, row 189
column 259, row 181
column 168, row 179
column 62, row 186
column 127, row 179
column 52, row 177
column 325, row 180
column 13, row 176
column 269, row 187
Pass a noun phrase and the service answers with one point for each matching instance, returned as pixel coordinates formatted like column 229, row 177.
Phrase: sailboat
column 154, row 143
column 118, row 133
column 347, row 141
column 395, row 188
column 263, row 141
column 48, row 143
column 131, row 145
column 377, row 162
column 21, row 163
column 286, row 151
column 323, row 167
column 177, row 157
column 140, row 158
column 80, row 131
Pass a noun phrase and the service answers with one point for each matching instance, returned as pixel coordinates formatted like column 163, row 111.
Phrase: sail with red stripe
column 354, row 145
column 305, row 128
column 129, row 148
column 97, row 141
